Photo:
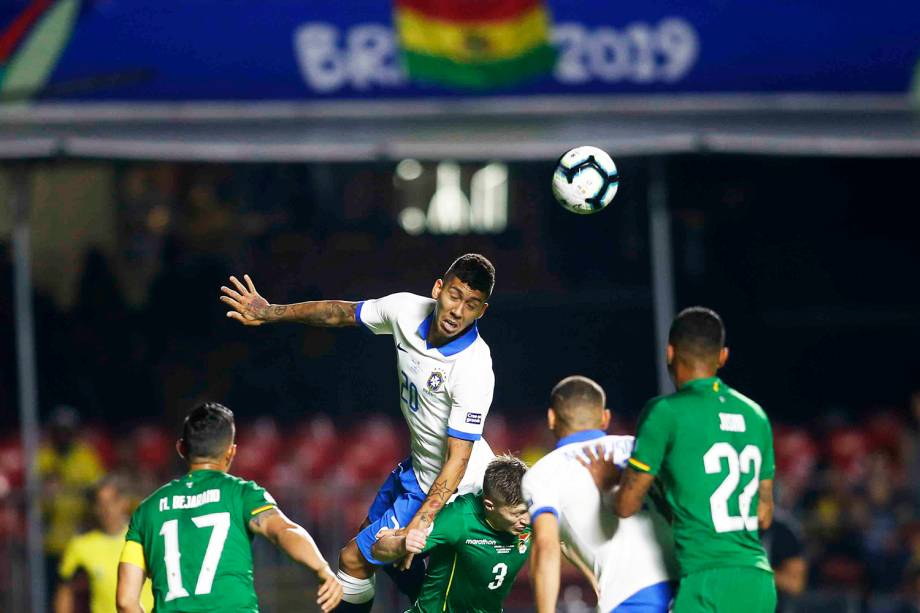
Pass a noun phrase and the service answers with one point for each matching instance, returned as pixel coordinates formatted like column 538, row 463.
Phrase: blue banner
column 302, row 50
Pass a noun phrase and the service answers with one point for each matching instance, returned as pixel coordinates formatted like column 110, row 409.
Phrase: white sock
column 356, row 591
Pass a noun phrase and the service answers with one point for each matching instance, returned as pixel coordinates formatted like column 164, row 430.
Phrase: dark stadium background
column 812, row 262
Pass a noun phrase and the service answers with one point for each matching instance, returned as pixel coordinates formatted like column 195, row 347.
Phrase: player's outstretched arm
column 394, row 544
column 545, row 562
column 128, row 592
column 634, row 485
column 297, row 543
column 458, row 456
column 765, row 504
column 251, row 309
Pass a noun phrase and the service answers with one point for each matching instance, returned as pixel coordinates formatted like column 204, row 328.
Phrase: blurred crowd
column 847, row 494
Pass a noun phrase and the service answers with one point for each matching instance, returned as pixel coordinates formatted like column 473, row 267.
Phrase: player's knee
column 356, row 590
column 352, row 561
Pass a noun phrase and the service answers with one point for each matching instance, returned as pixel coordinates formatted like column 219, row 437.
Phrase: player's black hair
column 474, row 270
column 697, row 331
column 207, row 431
column 502, row 481
column 576, row 401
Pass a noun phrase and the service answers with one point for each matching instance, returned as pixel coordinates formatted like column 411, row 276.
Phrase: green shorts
column 727, row 590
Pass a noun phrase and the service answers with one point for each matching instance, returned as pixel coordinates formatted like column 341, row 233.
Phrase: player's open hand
column 330, row 590
column 249, row 308
column 605, row 473
column 415, row 540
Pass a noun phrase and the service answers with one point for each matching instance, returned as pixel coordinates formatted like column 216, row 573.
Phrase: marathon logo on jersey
column 732, row 422
column 435, row 381
column 481, row 542
column 474, row 418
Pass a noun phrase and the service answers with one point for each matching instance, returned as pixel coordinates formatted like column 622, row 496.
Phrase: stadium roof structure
column 535, row 129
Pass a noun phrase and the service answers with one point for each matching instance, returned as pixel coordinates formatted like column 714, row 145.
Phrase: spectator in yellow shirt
column 97, row 552
column 68, row 468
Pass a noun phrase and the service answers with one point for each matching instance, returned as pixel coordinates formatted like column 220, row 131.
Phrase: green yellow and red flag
column 477, row 44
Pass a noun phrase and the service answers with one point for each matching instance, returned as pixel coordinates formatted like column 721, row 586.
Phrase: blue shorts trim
column 652, row 599
column 397, row 502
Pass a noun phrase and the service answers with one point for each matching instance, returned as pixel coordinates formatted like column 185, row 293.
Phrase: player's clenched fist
column 415, row 540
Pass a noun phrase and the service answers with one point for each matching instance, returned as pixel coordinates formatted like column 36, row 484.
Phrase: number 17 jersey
column 710, row 447
column 197, row 544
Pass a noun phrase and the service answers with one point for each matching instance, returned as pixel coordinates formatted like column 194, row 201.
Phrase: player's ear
column 551, row 418
column 670, row 354
column 485, row 306
column 436, row 290
column 180, row 448
column 231, row 453
column 488, row 504
column 723, row 357
column 605, row 419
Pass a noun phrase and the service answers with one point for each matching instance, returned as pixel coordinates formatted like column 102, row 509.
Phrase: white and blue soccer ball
column 585, row 180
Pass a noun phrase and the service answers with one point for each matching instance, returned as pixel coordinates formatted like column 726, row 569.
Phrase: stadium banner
column 297, row 50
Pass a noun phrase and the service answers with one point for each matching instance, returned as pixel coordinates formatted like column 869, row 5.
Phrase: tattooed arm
column 296, row 542
column 458, row 456
column 634, row 485
column 251, row 309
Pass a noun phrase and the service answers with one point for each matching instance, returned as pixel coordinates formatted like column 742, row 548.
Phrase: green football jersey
column 710, row 447
column 472, row 566
column 197, row 544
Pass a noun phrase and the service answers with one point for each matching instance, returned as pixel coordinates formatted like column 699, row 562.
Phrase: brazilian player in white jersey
column 445, row 378
column 630, row 562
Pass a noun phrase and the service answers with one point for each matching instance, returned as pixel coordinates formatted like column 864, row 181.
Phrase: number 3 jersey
column 710, row 447
column 443, row 391
column 472, row 566
column 196, row 542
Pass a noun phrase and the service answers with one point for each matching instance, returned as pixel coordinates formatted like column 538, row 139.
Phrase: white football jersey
column 625, row 555
column 443, row 391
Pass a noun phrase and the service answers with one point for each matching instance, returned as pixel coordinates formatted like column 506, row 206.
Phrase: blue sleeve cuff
column 543, row 510
column 358, row 317
column 466, row 436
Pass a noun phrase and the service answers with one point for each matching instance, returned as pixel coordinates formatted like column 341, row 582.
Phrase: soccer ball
column 585, row 180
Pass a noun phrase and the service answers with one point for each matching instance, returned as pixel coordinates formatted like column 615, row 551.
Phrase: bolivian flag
column 474, row 43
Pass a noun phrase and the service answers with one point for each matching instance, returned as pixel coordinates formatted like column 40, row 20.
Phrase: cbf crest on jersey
column 435, row 381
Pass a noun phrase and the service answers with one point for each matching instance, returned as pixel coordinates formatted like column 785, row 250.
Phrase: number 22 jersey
column 710, row 448
column 196, row 541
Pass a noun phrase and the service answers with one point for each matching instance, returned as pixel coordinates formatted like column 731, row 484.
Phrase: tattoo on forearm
column 631, row 477
column 322, row 313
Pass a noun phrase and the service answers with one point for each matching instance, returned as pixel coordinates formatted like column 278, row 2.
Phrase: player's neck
column 687, row 373
column 219, row 466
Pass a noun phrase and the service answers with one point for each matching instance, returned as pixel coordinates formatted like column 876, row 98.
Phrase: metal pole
column 662, row 267
column 28, row 388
